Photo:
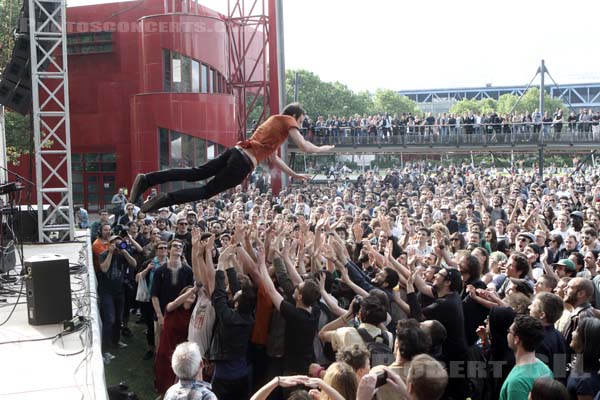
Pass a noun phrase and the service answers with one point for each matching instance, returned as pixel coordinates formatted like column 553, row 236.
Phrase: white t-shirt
column 201, row 323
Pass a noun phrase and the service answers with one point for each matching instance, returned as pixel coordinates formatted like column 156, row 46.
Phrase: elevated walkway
column 564, row 142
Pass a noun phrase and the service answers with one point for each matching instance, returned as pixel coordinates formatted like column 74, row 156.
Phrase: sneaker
column 159, row 201
column 148, row 355
column 140, row 184
column 107, row 357
column 121, row 345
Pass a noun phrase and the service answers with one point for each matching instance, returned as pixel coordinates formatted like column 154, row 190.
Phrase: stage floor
column 68, row 367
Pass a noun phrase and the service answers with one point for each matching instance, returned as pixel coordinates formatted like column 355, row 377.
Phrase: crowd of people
column 331, row 128
column 418, row 283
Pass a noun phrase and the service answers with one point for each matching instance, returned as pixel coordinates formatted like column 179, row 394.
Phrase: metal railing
column 444, row 135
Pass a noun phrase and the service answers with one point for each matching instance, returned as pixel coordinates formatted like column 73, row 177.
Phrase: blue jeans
column 111, row 312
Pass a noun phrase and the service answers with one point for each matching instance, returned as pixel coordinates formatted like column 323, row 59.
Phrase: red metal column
column 273, row 84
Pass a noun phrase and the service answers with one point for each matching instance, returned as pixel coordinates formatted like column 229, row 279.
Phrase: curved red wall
column 117, row 101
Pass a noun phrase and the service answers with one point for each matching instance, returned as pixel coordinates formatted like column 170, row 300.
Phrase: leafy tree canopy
column 335, row 98
column 508, row 103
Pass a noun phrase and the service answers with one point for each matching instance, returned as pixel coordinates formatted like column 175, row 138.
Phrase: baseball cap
column 454, row 277
column 566, row 263
column 577, row 214
column 535, row 248
column 527, row 235
column 113, row 238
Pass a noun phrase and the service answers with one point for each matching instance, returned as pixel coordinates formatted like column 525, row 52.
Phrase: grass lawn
column 128, row 366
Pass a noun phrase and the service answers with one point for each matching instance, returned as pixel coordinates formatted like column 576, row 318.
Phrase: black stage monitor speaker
column 48, row 287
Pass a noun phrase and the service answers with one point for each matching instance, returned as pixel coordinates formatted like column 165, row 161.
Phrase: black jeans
column 148, row 316
column 229, row 169
column 235, row 389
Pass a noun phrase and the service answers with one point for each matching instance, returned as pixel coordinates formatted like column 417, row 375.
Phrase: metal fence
column 424, row 135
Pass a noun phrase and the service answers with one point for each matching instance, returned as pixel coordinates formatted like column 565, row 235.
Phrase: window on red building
column 195, row 76
column 178, row 150
column 204, row 75
column 185, row 75
column 89, row 43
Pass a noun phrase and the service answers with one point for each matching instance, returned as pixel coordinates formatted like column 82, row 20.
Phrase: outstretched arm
column 306, row 146
column 279, row 163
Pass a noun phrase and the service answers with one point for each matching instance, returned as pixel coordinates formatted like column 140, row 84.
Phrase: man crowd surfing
column 420, row 283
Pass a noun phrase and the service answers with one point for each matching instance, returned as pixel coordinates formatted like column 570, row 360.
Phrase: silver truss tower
column 52, row 134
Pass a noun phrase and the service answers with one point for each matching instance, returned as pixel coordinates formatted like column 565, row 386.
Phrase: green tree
column 389, row 101
column 508, row 103
column 18, row 128
column 528, row 103
column 484, row 106
column 324, row 98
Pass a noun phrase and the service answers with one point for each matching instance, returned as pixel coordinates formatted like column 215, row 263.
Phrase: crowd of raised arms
column 417, row 283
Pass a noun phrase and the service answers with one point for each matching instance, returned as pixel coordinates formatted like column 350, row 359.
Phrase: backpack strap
column 367, row 338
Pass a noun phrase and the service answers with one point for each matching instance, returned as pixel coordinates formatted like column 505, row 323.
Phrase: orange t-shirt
column 269, row 136
column 98, row 247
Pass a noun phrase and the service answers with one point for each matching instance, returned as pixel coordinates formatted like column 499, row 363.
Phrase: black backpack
column 379, row 347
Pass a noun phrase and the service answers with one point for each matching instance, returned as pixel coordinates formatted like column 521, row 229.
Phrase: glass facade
column 89, row 43
column 195, row 76
column 182, row 74
column 204, row 79
column 177, row 150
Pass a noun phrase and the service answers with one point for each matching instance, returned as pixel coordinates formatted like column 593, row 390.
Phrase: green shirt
column 519, row 382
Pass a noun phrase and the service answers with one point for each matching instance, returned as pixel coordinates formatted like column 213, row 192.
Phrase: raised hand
column 289, row 381
column 196, row 236
column 260, row 252
column 329, row 252
column 357, row 232
column 389, row 249
column 321, row 281
column 303, row 177
column 482, row 333
column 544, row 256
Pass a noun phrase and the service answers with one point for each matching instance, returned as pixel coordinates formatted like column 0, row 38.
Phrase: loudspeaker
column 15, row 97
column 48, row 287
column 26, row 227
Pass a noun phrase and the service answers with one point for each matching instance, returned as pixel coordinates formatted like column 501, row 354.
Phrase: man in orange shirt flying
column 234, row 165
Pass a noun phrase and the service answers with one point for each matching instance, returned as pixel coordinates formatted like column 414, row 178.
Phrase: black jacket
column 232, row 329
column 475, row 314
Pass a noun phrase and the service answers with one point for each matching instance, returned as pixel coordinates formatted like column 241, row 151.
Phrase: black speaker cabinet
column 48, row 287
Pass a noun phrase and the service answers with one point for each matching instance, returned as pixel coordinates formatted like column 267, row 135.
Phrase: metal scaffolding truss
column 52, row 136
column 584, row 95
column 580, row 96
column 248, row 31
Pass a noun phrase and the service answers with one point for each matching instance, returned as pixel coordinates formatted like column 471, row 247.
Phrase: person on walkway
column 234, row 165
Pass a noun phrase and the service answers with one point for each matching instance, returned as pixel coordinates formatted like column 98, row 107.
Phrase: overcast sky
column 429, row 44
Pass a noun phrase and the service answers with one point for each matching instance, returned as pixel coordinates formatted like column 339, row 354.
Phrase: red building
column 149, row 89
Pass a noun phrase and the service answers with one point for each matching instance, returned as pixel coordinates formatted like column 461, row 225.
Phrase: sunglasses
column 177, row 246
column 162, row 247
column 182, row 223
